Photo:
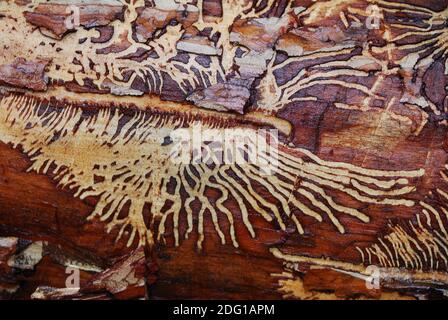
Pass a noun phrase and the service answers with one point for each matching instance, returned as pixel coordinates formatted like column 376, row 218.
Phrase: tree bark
column 343, row 106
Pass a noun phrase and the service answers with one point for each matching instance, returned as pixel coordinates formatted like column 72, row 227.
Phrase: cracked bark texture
column 357, row 91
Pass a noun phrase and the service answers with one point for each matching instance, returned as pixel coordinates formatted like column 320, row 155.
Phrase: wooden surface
column 356, row 90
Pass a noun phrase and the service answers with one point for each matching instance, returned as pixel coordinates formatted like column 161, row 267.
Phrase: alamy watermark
column 73, row 280
column 73, row 20
column 374, row 18
column 233, row 146
column 373, row 279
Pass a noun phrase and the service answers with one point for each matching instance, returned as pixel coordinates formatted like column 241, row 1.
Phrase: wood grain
column 351, row 97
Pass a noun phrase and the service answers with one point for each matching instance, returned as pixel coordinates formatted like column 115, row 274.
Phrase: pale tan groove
column 324, row 9
column 110, row 68
column 433, row 35
column 232, row 10
column 389, row 256
column 387, row 274
column 422, row 247
column 436, row 215
column 274, row 96
column 340, row 175
column 427, row 216
column 361, row 253
column 412, row 47
column 322, row 262
column 379, row 173
column 136, row 169
column 322, row 53
column 349, row 211
column 323, row 208
column 402, row 6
